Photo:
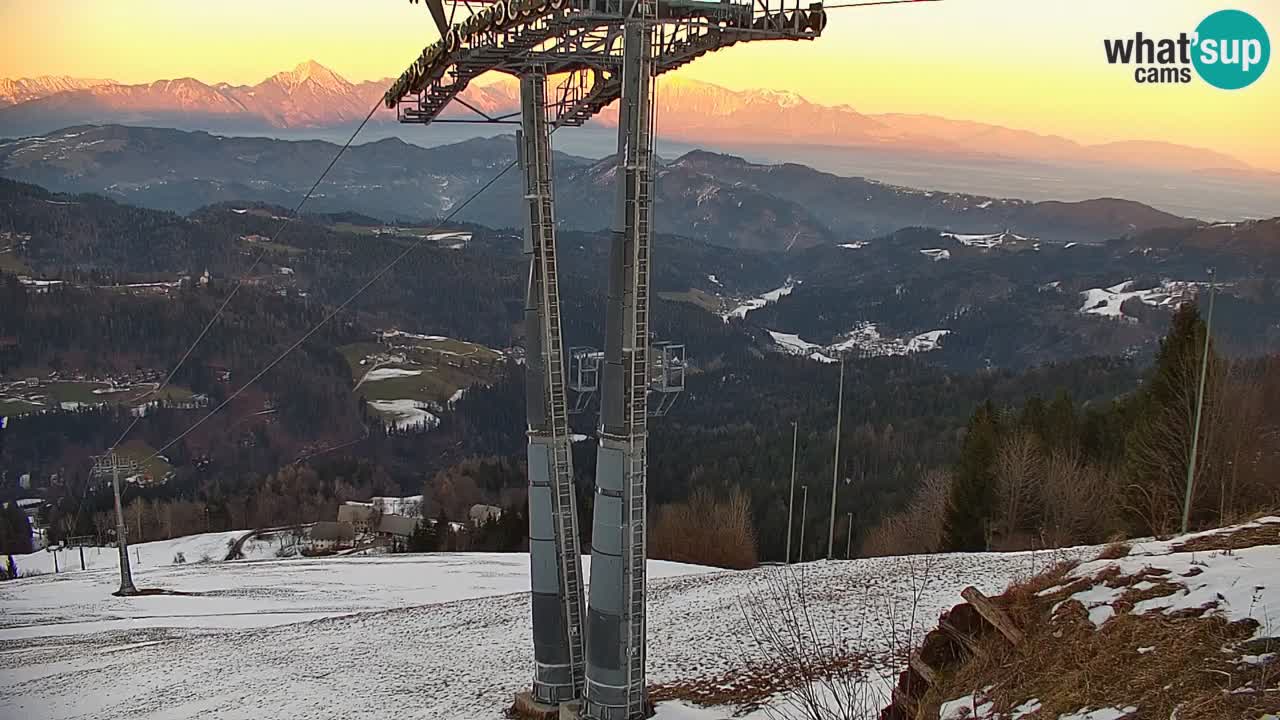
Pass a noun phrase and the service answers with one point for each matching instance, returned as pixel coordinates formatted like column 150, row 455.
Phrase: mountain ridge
column 313, row 96
column 720, row 199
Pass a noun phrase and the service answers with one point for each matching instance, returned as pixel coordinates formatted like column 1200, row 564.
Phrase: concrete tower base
column 529, row 709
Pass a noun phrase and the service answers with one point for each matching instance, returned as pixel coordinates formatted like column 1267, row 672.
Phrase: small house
column 396, row 529
column 358, row 515
column 329, row 536
column 481, row 514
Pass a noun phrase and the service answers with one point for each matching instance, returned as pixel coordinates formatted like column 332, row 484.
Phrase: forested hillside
column 718, row 198
column 1036, row 474
column 94, row 291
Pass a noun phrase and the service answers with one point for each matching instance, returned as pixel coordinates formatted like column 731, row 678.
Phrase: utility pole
column 112, row 463
column 791, row 500
column 804, row 506
column 1195, row 429
column 848, row 543
column 835, row 470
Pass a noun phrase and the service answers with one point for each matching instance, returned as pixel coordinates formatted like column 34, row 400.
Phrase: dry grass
column 1020, row 598
column 1115, row 551
column 706, row 530
column 747, row 689
column 1245, row 537
column 1159, row 663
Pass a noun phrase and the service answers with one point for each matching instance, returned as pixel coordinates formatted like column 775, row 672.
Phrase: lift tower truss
column 604, row 51
column 555, row 558
column 616, row 611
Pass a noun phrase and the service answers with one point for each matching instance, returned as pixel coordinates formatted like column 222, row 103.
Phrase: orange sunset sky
column 1031, row 64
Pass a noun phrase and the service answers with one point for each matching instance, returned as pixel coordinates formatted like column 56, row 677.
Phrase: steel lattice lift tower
column 604, row 51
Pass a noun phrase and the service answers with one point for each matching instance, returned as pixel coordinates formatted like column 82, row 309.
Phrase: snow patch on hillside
column 792, row 344
column 205, row 547
column 1239, row 585
column 865, row 338
column 406, row 414
column 408, row 506
column 451, row 240
column 924, row 342
column 755, row 303
column 936, row 254
column 1107, row 302
column 987, row 240
column 388, row 373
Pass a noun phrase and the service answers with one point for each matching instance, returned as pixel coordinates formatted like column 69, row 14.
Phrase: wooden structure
column 958, row 638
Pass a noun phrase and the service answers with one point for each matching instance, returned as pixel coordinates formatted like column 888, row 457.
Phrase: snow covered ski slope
column 438, row 635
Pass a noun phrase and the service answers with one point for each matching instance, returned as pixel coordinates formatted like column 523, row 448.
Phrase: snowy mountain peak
column 23, row 89
column 781, row 98
column 314, row 73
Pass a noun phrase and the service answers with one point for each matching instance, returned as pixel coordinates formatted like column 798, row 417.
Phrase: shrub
column 705, row 530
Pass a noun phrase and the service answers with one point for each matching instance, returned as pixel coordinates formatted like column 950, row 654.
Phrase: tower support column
column 555, row 560
column 616, row 610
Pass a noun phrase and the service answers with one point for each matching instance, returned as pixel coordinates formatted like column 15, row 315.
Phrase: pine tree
column 973, row 493
column 1060, row 423
column 424, row 538
column 15, row 530
column 445, row 540
column 1157, row 447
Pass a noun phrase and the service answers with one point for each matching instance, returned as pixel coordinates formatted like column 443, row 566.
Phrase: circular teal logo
column 1232, row 49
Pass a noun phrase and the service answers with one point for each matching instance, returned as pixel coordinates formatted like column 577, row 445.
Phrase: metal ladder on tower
column 638, row 389
column 564, row 504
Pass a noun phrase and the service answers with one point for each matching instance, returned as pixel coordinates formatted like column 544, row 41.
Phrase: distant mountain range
column 717, row 198
column 313, row 96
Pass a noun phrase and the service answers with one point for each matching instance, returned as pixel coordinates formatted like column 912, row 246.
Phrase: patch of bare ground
column 1190, row 665
column 146, row 592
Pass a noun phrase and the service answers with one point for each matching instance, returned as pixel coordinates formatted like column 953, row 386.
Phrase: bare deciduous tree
column 1160, row 451
column 1245, row 443
column 840, row 659
column 706, row 529
column 1019, row 468
column 826, row 669
column 1074, row 499
column 103, row 525
column 919, row 527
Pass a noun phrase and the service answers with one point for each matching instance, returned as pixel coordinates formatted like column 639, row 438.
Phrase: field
column 11, row 263
column 700, row 298
column 14, row 406
column 417, row 371
column 438, row 635
column 406, row 235
column 270, row 246
column 152, row 465
column 75, row 394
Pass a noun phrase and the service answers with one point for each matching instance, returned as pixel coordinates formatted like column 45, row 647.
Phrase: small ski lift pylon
column 584, row 376
column 666, row 376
